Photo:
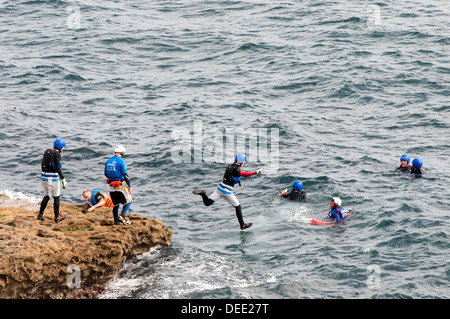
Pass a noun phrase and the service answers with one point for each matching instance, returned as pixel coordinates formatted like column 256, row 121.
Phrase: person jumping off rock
column 225, row 189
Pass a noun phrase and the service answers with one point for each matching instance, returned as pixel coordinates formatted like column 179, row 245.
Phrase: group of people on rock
column 120, row 186
column 115, row 172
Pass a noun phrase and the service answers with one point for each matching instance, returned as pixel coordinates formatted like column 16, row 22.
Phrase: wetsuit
column 417, row 171
column 52, row 162
column 402, row 169
column 116, row 172
column 295, row 196
column 50, row 177
column 225, row 189
column 233, row 175
column 337, row 213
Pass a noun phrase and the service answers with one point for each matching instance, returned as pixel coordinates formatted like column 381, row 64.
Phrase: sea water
column 331, row 93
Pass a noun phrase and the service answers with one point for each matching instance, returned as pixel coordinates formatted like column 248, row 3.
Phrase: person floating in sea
column 225, row 189
column 51, row 175
column 97, row 199
column 417, row 169
column 119, row 184
column 297, row 194
column 404, row 164
column 337, row 213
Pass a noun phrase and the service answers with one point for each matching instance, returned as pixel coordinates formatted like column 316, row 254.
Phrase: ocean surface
column 328, row 92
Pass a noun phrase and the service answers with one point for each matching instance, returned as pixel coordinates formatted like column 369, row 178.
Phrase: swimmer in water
column 417, row 169
column 337, row 213
column 297, row 194
column 404, row 164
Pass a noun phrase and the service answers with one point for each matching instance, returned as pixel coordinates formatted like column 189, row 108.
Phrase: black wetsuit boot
column 207, row 201
column 241, row 219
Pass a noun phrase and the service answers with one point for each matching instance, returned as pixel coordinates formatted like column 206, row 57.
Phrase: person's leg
column 116, row 214
column 207, row 201
column 47, row 191
column 232, row 199
column 122, row 214
column 115, row 197
column 241, row 219
column 44, row 203
column 118, row 198
column 125, row 209
column 56, row 204
column 56, row 194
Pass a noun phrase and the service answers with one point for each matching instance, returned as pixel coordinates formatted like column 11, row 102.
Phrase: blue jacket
column 115, row 170
column 337, row 214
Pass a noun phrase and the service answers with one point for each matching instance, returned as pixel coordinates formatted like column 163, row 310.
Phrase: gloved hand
column 64, row 183
column 284, row 192
column 258, row 171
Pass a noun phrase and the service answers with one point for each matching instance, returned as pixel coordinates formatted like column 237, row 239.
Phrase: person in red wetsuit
column 225, row 189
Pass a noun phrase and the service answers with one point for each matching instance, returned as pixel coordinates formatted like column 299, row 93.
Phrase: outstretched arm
column 247, row 174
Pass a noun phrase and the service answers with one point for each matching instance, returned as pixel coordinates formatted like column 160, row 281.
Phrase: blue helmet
column 405, row 158
column 240, row 158
column 59, row 144
column 417, row 163
column 298, row 185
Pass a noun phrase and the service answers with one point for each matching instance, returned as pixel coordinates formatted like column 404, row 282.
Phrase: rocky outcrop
column 75, row 258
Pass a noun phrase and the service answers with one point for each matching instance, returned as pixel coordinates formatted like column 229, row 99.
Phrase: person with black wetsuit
column 404, row 164
column 417, row 169
column 297, row 194
column 225, row 189
column 50, row 176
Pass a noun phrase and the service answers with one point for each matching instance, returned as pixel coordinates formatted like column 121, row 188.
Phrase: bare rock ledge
column 75, row 258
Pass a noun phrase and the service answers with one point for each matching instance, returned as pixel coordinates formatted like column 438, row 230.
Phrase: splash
column 18, row 199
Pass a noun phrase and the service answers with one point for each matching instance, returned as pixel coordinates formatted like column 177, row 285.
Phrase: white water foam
column 184, row 276
column 300, row 214
column 18, row 199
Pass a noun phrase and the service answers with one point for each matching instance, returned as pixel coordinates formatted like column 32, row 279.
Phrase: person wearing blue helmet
column 404, row 164
column 51, row 174
column 417, row 169
column 233, row 175
column 297, row 194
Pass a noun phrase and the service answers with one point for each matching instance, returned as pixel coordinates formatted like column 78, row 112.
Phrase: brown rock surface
column 43, row 259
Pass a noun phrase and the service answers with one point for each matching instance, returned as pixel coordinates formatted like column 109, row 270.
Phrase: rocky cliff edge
column 75, row 258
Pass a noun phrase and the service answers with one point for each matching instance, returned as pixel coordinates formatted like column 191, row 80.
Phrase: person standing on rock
column 50, row 176
column 119, row 184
